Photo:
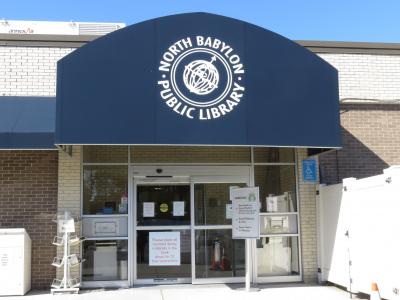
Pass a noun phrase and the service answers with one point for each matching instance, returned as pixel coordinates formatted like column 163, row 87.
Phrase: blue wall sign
column 310, row 170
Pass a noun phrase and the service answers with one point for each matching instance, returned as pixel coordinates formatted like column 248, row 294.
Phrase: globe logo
column 201, row 77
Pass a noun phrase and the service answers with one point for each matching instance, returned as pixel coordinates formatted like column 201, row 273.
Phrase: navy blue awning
column 196, row 79
column 27, row 122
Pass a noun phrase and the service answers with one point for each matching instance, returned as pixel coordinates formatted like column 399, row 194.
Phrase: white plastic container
column 15, row 262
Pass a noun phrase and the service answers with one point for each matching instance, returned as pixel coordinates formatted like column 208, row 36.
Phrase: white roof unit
column 62, row 28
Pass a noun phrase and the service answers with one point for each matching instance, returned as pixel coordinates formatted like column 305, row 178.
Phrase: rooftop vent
column 97, row 28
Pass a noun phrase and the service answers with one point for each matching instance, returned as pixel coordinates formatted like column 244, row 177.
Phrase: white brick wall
column 69, row 195
column 29, row 71
column 308, row 222
column 367, row 76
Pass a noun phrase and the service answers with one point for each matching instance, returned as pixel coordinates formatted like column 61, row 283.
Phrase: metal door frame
column 140, row 180
column 212, row 179
column 177, row 180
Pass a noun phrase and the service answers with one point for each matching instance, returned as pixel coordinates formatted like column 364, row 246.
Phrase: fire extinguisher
column 219, row 261
column 216, row 254
column 225, row 262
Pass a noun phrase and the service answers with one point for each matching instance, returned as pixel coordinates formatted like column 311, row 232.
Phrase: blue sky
column 338, row 20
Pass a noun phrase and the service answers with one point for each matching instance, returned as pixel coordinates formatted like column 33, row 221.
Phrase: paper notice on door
column 148, row 209
column 228, row 211
column 165, row 248
column 179, row 209
column 231, row 190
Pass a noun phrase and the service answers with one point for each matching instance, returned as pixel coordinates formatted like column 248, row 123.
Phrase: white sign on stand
column 245, row 213
column 165, row 248
column 67, row 225
column 246, row 220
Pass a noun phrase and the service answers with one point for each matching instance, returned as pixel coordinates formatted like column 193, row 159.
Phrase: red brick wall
column 371, row 142
column 28, row 199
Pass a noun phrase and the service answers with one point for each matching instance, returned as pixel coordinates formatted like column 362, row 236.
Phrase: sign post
column 246, row 220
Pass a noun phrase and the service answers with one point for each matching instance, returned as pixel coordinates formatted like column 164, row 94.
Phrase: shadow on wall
column 355, row 159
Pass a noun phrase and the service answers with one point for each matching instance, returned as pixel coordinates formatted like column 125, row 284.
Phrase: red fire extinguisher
column 225, row 262
column 216, row 254
column 219, row 262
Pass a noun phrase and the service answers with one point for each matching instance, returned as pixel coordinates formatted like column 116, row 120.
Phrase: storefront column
column 308, row 222
column 69, row 196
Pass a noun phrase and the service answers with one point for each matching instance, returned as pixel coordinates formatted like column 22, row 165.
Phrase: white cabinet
column 105, row 262
column 15, row 262
column 274, row 258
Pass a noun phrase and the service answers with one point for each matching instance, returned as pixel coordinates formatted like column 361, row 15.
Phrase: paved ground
column 202, row 292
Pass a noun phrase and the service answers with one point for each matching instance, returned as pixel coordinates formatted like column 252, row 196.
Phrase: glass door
column 216, row 256
column 183, row 231
column 162, row 236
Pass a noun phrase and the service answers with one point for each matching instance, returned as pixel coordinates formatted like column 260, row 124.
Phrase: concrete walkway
column 202, row 292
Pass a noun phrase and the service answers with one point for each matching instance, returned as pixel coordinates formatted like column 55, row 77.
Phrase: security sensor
column 159, row 171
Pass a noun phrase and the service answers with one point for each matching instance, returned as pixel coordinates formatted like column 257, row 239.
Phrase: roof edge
column 46, row 40
column 351, row 47
column 72, row 41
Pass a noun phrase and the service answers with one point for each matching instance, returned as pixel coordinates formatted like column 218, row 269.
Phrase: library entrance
column 162, row 146
column 170, row 221
column 183, row 230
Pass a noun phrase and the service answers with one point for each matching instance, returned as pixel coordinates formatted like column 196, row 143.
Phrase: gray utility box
column 15, row 262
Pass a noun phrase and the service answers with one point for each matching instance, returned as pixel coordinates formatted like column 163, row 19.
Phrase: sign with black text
column 165, row 248
column 245, row 213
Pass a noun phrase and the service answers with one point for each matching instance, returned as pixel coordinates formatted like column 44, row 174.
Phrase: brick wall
column 28, row 199
column 69, row 195
column 369, row 131
column 367, row 76
column 29, row 71
column 370, row 136
column 308, row 222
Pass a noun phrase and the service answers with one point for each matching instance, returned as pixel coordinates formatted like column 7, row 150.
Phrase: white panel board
column 368, row 210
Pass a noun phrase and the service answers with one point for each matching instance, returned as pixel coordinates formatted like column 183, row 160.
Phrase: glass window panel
column 218, row 255
column 163, row 205
column 105, row 190
column 105, row 260
column 105, row 154
column 212, row 203
column 278, row 256
column 278, row 224
column 145, row 271
column 277, row 188
column 188, row 154
column 273, row 155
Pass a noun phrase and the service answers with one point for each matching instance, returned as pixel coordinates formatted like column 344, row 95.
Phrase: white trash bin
column 15, row 262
